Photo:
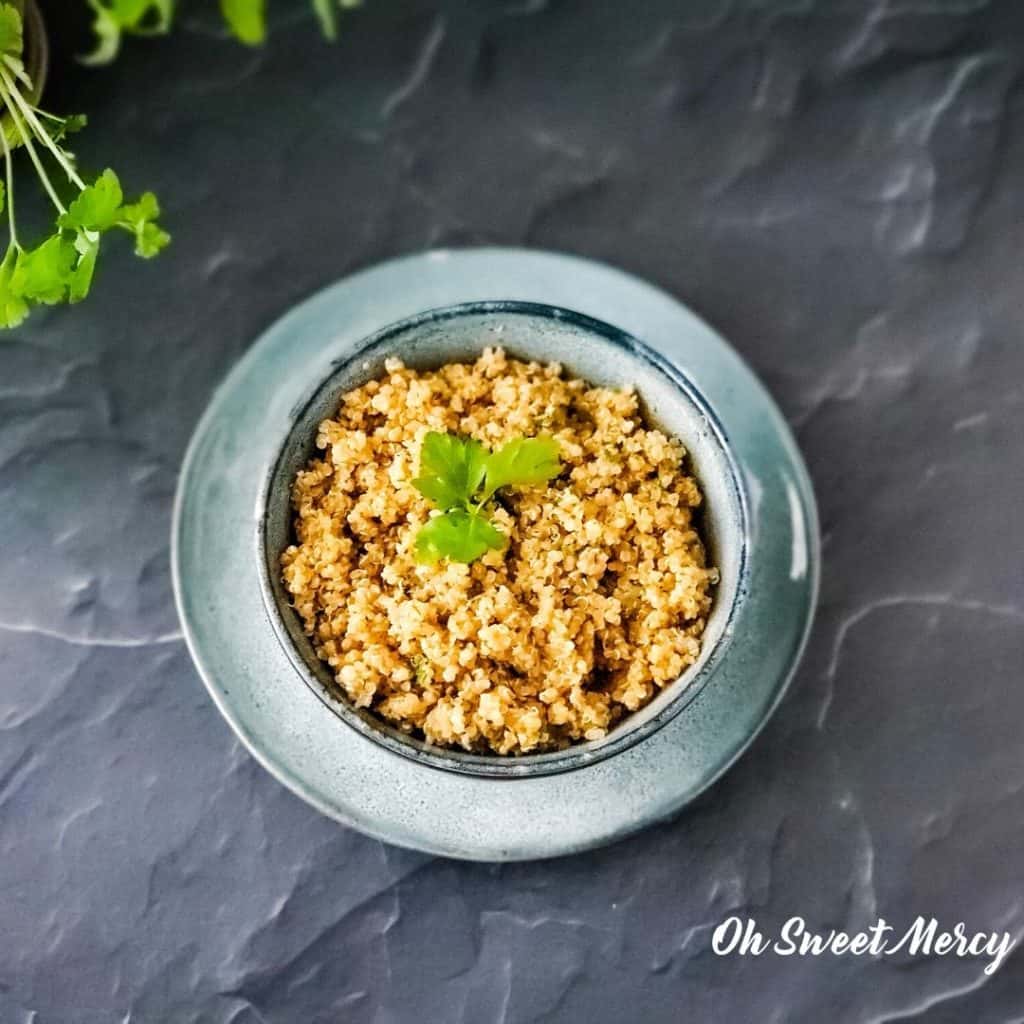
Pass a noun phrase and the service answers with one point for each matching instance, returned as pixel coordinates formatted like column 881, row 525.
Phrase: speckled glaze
column 586, row 348
column 217, row 559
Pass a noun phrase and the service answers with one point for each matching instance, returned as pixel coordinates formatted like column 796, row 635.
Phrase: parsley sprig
column 247, row 20
column 460, row 476
column 61, row 267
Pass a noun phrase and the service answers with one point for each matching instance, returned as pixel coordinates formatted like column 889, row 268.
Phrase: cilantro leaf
column 112, row 18
column 327, row 14
column 139, row 218
column 10, row 31
column 451, row 469
column 80, row 279
column 69, row 125
column 146, row 16
column 97, row 206
column 246, row 19
column 147, row 208
column 422, row 670
column 150, row 240
column 108, row 36
column 43, row 274
column 459, row 476
column 459, row 535
column 58, row 127
column 324, row 10
column 13, row 308
column 524, row 461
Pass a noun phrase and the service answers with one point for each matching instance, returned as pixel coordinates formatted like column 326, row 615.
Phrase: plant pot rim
column 36, row 53
column 37, row 47
column 36, row 58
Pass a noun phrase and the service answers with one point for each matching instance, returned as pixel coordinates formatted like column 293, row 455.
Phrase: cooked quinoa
column 599, row 600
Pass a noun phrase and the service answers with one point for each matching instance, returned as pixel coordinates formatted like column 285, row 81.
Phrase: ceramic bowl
column 588, row 349
column 230, row 522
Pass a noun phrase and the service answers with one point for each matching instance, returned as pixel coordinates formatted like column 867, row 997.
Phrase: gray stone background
column 838, row 188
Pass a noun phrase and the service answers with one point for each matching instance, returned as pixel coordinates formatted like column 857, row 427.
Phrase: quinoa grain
column 598, row 602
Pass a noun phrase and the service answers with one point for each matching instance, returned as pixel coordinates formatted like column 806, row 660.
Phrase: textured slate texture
column 837, row 188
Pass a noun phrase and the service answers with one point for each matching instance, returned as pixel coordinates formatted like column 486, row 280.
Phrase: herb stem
column 10, row 188
column 5, row 95
column 41, row 133
column 18, row 70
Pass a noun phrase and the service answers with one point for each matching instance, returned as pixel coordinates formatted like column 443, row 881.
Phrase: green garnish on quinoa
column 459, row 475
column 486, row 605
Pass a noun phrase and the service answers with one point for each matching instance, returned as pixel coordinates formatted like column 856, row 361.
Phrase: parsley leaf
column 247, row 19
column 80, row 278
column 459, row 535
column 451, row 469
column 111, row 18
column 10, row 31
column 327, row 14
column 97, row 206
column 139, row 218
column 422, row 670
column 58, row 127
column 150, row 240
column 13, row 308
column 460, row 476
column 524, row 461
column 43, row 274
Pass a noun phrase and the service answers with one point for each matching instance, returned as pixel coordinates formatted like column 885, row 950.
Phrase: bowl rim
column 620, row 737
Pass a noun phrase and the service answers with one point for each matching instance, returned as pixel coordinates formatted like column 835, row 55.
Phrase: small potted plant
column 60, row 267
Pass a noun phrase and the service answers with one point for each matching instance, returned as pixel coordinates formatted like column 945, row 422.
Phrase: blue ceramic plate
column 231, row 520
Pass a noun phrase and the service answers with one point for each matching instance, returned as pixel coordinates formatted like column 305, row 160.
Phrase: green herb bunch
column 247, row 20
column 61, row 267
column 460, row 476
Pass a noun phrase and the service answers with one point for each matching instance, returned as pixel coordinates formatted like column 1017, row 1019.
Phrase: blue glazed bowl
column 232, row 519
column 586, row 348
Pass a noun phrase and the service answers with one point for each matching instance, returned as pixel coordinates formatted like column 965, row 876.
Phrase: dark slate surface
column 838, row 188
